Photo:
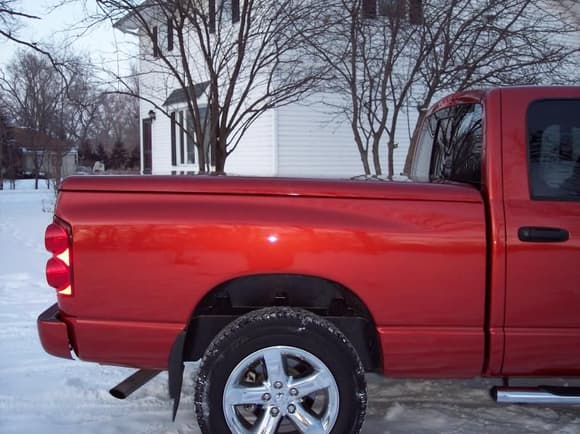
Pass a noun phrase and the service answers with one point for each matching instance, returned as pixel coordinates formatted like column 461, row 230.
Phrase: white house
column 300, row 139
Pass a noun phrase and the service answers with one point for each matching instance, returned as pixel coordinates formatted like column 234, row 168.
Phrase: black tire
column 285, row 330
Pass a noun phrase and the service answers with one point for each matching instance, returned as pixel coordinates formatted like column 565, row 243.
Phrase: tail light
column 58, row 268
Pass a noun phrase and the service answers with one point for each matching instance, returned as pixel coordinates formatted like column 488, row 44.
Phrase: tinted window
column 554, row 149
column 457, row 144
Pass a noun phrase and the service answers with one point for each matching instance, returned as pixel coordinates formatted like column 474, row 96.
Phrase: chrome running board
column 536, row 395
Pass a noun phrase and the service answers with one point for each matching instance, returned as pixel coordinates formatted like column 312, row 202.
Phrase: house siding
column 152, row 88
column 315, row 142
column 255, row 154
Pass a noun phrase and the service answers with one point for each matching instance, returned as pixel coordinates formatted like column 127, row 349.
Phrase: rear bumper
column 53, row 333
column 142, row 345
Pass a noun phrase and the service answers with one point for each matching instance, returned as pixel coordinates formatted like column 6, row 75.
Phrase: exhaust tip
column 132, row 383
column 116, row 393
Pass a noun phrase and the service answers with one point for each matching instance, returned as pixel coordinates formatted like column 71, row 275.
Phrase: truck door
column 541, row 170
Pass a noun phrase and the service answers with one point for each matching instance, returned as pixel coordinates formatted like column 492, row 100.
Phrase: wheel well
column 323, row 297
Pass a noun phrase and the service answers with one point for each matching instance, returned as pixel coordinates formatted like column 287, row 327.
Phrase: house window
column 235, row 11
column 408, row 9
column 229, row 10
column 173, row 139
column 389, row 8
column 182, row 143
column 169, row 34
column 212, row 16
column 369, row 8
column 416, row 12
column 155, row 40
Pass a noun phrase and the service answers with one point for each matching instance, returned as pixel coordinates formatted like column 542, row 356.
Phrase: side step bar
column 536, row 395
column 132, row 383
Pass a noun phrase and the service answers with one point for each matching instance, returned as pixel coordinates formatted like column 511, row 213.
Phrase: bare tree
column 374, row 54
column 115, row 125
column 9, row 161
column 495, row 43
column 231, row 60
column 11, row 18
column 386, row 57
column 29, row 99
column 49, row 103
column 117, row 120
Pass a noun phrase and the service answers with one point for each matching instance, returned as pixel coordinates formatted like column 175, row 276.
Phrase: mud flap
column 175, row 371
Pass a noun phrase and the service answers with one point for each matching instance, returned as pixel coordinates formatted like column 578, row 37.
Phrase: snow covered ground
column 43, row 394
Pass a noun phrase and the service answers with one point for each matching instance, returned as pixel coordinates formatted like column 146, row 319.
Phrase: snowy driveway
column 43, row 394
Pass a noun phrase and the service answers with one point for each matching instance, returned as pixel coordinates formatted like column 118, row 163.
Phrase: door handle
column 532, row 234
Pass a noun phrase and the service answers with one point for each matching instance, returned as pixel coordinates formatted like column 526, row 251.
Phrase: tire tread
column 306, row 319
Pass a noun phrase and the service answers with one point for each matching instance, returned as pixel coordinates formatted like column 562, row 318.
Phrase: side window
column 441, row 146
column 182, row 143
column 457, row 147
column 155, row 41
column 388, row 8
column 553, row 128
column 170, row 35
column 173, row 139
column 416, row 12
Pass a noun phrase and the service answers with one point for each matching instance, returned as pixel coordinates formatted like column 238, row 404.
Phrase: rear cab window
column 553, row 135
column 450, row 146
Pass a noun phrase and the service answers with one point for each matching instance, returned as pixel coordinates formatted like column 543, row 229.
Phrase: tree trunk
column 377, row 159
column 391, row 160
column 11, row 169
column 220, row 157
column 364, row 154
column 365, row 162
column 36, row 171
column 59, row 158
column 201, row 156
column 1, row 166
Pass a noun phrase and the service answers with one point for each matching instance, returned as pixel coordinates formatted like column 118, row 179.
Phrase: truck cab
column 521, row 147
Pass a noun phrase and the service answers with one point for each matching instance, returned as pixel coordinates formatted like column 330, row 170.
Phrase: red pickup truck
column 288, row 290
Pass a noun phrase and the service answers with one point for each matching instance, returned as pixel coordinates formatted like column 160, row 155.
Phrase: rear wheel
column 280, row 370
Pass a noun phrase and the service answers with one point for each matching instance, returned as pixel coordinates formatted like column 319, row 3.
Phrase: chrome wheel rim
column 281, row 389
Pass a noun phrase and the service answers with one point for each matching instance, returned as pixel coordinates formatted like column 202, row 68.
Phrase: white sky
column 65, row 27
